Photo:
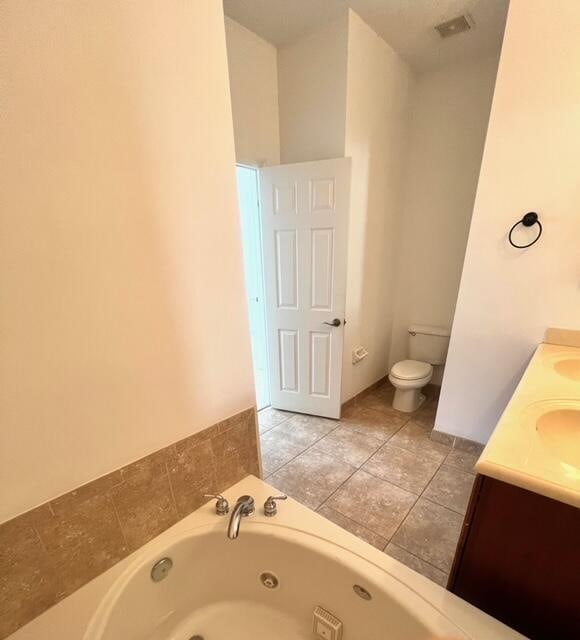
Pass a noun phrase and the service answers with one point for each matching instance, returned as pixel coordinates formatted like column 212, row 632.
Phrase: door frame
column 255, row 167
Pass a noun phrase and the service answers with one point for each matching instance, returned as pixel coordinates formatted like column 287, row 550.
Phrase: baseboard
column 456, row 442
column 351, row 402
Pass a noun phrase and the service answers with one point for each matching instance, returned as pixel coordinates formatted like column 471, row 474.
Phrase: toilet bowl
column 409, row 377
column 427, row 347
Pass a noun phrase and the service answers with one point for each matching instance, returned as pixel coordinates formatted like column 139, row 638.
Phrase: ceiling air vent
column 452, row 27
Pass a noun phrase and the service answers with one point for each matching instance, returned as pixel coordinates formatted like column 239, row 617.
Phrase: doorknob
column 334, row 323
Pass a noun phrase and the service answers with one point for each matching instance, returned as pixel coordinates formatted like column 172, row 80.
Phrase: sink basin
column 536, row 443
column 568, row 368
column 559, row 431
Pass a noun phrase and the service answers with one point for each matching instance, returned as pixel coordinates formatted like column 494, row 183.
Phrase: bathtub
column 264, row 585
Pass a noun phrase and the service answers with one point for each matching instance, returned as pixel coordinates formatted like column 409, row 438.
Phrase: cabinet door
column 519, row 560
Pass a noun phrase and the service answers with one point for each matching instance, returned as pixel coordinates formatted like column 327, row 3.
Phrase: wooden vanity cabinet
column 518, row 559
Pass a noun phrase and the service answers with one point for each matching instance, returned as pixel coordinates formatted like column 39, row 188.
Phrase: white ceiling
column 283, row 21
column 407, row 25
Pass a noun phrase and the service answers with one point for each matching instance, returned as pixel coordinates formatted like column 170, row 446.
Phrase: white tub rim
column 148, row 556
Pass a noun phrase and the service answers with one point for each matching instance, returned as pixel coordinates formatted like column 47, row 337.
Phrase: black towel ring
column 529, row 220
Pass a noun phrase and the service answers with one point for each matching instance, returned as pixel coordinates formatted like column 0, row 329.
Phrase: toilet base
column 408, row 400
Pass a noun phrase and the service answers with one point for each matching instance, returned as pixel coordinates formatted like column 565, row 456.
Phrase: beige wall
column 343, row 92
column 312, row 94
column 120, row 256
column 377, row 89
column 507, row 296
column 449, row 112
column 253, row 77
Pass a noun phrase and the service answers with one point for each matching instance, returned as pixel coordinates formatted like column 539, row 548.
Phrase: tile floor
column 376, row 473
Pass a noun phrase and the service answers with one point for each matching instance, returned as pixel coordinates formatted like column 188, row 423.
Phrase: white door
column 304, row 238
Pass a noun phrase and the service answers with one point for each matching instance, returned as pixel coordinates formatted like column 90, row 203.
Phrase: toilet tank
column 428, row 344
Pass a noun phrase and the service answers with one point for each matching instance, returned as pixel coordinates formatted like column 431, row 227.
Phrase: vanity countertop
column 536, row 443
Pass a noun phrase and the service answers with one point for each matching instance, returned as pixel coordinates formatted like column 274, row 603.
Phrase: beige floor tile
column 425, row 416
column 430, row 532
column 380, row 402
column 450, row 488
column 461, row 460
column 277, row 450
column 263, row 427
column 372, row 422
column 386, row 392
column 469, row 446
column 372, row 502
column 268, row 418
column 301, row 432
column 322, row 424
column 418, row 565
column 414, row 437
column 403, row 468
column 314, row 424
column 311, row 477
column 349, row 445
column 353, row 527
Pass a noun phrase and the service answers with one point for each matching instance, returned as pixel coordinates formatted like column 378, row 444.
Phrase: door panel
column 304, row 236
column 284, row 198
column 288, row 349
column 320, row 350
column 322, row 244
column 287, row 269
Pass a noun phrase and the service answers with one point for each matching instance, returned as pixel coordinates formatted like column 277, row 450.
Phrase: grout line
column 402, row 522
column 454, row 468
column 417, row 497
column 350, row 476
column 374, row 475
column 273, row 426
column 263, row 431
column 446, row 573
column 363, row 525
column 358, row 524
column 336, row 490
column 432, row 501
column 355, row 468
column 116, row 512
column 339, row 424
column 414, row 504
column 39, row 538
column 409, row 513
column 400, row 446
column 173, row 500
column 304, row 450
column 421, row 456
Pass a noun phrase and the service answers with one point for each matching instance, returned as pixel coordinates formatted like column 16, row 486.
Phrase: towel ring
column 529, row 220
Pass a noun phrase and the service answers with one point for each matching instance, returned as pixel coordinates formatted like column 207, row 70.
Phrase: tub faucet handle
column 270, row 507
column 222, row 506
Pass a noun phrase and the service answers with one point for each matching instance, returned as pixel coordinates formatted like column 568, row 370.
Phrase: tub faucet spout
column 244, row 507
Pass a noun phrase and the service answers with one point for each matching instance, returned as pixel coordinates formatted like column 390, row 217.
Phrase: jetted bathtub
column 265, row 585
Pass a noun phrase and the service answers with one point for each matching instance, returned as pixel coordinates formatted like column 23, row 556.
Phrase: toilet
column 427, row 347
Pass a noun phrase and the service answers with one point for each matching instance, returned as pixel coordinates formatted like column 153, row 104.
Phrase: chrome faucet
column 243, row 507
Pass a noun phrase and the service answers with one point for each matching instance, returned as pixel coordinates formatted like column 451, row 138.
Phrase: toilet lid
column 411, row 370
